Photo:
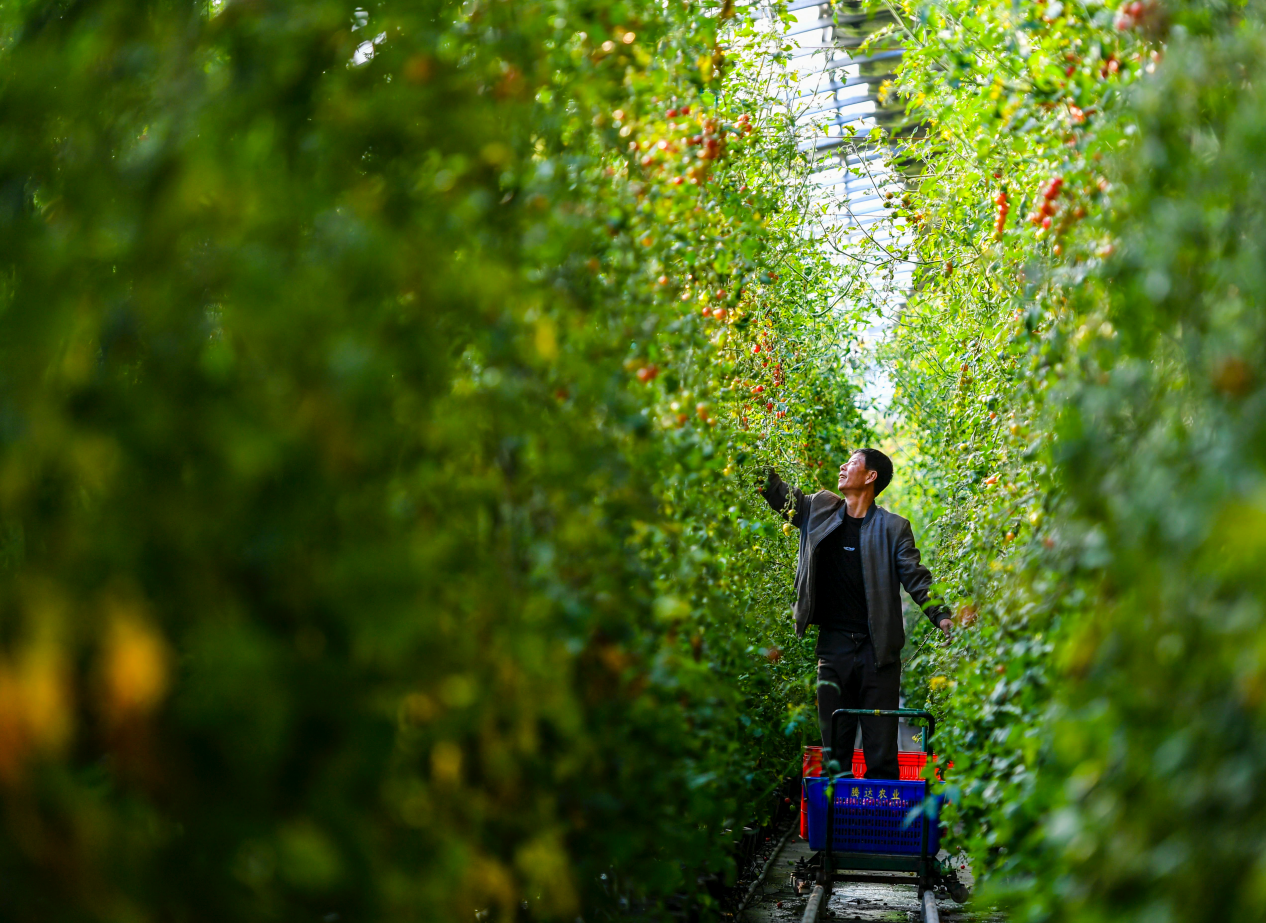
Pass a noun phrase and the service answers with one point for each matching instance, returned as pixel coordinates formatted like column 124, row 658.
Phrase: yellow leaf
column 546, row 339
column 135, row 665
column 446, row 762
column 543, row 861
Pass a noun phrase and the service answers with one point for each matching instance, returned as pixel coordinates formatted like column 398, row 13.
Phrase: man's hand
column 946, row 626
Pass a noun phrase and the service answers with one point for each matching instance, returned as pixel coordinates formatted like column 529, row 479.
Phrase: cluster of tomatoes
column 1000, row 219
column 1129, row 16
column 646, row 372
column 721, row 296
column 682, row 146
column 719, row 312
column 696, row 151
column 764, row 347
column 1046, row 210
column 762, row 350
column 679, row 417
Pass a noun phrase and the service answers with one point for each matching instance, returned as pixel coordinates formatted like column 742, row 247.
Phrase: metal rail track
column 738, row 914
column 821, row 896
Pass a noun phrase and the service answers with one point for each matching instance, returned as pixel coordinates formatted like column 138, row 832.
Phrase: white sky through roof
column 834, row 109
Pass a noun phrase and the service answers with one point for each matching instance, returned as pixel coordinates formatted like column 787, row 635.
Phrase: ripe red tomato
column 685, row 110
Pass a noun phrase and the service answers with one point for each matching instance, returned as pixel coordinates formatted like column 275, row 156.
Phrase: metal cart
column 861, row 830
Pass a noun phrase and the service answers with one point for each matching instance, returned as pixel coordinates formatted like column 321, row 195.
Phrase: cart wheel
column 958, row 892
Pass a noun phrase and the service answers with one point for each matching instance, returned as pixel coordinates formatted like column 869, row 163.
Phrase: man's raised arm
column 917, row 579
column 789, row 502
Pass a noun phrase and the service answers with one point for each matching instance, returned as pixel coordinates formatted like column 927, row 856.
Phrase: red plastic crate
column 910, row 765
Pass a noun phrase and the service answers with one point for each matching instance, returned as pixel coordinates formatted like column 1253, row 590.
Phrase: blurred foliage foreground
column 374, row 384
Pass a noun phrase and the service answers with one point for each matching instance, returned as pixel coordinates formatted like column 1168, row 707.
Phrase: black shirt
column 841, row 592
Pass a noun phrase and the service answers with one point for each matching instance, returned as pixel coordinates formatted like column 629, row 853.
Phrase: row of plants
column 1076, row 381
column 379, row 395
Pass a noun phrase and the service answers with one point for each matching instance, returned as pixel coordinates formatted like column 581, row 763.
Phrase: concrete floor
column 863, row 903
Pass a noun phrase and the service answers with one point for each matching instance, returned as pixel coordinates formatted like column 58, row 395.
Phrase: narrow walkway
column 849, row 902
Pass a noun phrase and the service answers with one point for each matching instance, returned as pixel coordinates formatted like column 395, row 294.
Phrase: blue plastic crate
column 869, row 816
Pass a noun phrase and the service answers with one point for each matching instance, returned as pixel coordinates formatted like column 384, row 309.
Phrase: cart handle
column 887, row 712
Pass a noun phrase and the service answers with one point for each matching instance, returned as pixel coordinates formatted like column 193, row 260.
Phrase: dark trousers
column 849, row 678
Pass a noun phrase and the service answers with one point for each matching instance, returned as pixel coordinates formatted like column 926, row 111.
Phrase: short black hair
column 879, row 463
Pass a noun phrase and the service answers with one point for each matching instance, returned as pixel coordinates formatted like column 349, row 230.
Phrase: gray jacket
column 890, row 560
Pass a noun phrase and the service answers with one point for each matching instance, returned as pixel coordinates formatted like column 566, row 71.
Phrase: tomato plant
column 1072, row 396
column 381, row 398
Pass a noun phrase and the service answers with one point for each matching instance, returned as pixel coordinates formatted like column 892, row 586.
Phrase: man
column 853, row 558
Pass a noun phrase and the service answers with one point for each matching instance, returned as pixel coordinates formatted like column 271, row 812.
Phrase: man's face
column 854, row 474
